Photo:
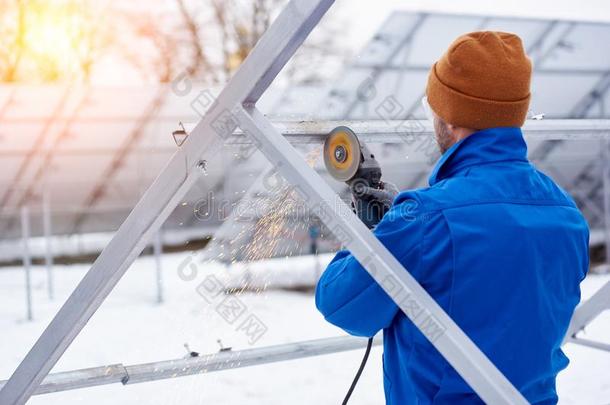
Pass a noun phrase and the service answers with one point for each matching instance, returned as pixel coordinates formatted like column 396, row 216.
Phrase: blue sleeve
column 347, row 295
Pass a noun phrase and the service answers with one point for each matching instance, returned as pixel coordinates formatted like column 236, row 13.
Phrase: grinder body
column 350, row 161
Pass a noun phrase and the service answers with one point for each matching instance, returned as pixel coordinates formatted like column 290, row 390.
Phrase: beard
column 444, row 139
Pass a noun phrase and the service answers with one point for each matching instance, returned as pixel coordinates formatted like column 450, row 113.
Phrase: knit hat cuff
column 466, row 111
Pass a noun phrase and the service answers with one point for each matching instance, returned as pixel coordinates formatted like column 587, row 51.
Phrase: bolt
column 202, row 165
column 340, row 153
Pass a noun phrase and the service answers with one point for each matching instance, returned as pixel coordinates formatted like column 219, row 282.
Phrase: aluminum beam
column 399, row 131
column 426, row 69
column 226, row 360
column 391, row 131
column 592, row 344
column 382, row 131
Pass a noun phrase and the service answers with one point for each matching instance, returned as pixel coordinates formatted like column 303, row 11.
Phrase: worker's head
column 482, row 81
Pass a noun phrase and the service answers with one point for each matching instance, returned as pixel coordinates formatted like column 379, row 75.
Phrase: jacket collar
column 485, row 146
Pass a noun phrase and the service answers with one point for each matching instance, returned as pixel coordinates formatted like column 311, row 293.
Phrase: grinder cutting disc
column 342, row 155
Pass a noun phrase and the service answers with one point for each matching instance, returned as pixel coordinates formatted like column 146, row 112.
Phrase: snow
column 131, row 328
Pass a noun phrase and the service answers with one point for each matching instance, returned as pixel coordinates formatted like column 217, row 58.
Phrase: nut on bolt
column 202, row 165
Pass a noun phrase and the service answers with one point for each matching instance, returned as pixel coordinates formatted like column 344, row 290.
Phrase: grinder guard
column 350, row 161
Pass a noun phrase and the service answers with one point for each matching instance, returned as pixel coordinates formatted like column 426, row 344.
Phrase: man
column 495, row 242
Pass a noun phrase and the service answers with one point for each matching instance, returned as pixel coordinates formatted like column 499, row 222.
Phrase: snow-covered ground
column 131, row 328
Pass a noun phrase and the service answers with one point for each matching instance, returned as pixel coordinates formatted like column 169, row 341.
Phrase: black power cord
column 369, row 344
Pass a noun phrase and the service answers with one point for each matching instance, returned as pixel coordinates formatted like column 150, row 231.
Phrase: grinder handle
column 371, row 204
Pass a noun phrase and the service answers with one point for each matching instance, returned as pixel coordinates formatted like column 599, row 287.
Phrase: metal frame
column 223, row 360
column 398, row 131
column 235, row 107
column 426, row 69
column 584, row 314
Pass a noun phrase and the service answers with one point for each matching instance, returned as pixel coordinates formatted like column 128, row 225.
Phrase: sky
column 365, row 16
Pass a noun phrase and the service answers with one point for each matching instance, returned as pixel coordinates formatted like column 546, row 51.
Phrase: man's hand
column 371, row 204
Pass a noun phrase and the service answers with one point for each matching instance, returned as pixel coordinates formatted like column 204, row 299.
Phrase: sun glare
column 48, row 33
column 52, row 37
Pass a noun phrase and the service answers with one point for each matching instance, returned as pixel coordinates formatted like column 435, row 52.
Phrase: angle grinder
column 349, row 160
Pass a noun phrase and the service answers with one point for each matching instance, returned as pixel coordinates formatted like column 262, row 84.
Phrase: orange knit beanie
column 482, row 81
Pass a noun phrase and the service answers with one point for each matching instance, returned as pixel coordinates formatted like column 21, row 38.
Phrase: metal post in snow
column 48, row 252
column 27, row 260
column 157, row 252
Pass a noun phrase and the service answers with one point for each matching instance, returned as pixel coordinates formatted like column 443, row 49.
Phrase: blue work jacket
column 499, row 246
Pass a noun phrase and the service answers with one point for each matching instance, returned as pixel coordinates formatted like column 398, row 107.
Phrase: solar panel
column 70, row 137
column 569, row 60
